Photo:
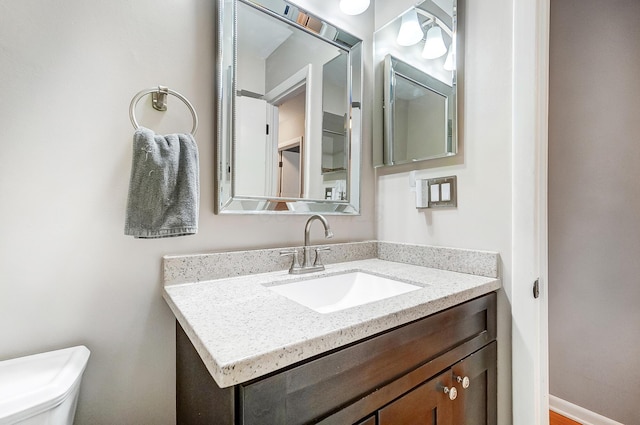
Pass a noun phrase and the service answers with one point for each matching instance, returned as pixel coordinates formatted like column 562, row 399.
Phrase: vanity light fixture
column 434, row 46
column 354, row 7
column 449, row 62
column 410, row 30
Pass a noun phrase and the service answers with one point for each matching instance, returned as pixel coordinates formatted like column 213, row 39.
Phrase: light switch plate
column 442, row 192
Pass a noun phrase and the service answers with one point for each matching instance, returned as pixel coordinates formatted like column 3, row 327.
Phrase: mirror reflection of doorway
column 260, row 147
column 290, row 119
column 289, row 169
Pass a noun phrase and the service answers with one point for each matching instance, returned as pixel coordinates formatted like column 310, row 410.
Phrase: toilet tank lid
column 32, row 384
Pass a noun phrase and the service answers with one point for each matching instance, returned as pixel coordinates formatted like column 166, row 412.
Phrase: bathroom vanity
column 248, row 355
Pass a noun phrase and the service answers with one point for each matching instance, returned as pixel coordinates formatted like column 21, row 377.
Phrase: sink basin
column 337, row 292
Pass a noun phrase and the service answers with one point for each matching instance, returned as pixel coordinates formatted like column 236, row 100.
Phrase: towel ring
column 160, row 91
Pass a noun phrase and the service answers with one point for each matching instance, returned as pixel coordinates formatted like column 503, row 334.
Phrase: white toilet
column 42, row 389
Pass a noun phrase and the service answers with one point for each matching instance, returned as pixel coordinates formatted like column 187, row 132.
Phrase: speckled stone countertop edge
column 178, row 269
column 208, row 360
column 197, row 305
column 357, row 332
column 469, row 261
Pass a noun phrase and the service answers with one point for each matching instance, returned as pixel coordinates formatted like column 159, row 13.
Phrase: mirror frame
column 394, row 68
column 226, row 201
column 382, row 156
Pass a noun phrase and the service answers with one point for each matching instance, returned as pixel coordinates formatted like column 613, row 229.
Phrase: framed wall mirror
column 289, row 120
column 417, row 58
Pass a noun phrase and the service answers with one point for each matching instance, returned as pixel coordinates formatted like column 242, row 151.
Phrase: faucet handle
column 318, row 260
column 294, row 254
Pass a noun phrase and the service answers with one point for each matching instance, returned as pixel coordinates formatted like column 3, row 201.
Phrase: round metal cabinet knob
column 465, row 381
column 453, row 393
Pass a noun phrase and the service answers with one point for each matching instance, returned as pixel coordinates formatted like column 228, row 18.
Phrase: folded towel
column 164, row 189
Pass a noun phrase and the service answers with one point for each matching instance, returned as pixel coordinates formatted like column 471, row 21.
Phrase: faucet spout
column 327, row 229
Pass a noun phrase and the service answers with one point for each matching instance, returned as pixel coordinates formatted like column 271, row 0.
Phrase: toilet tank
column 42, row 388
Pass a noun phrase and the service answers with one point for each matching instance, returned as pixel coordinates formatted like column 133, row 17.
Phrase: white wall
column 594, row 238
column 69, row 275
column 482, row 219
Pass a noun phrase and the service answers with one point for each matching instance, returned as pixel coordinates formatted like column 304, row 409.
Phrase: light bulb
column 410, row 31
column 354, row 7
column 434, row 46
column 449, row 62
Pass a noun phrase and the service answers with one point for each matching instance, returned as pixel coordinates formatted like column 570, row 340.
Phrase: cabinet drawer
column 316, row 388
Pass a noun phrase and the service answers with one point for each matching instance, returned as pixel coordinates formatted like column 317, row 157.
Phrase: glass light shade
column 410, row 31
column 354, row 7
column 434, row 46
column 449, row 62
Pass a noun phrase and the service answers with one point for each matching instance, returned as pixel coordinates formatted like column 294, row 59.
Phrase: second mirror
column 418, row 57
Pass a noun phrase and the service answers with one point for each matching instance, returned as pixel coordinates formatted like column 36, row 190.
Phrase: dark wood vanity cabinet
column 476, row 404
column 432, row 403
column 425, row 405
column 406, row 375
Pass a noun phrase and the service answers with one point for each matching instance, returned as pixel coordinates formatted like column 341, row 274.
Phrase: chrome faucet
column 307, row 266
column 327, row 234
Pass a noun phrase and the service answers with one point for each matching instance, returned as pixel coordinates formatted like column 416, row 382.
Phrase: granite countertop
column 242, row 330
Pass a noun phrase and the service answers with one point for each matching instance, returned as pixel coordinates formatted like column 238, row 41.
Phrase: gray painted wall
column 594, row 206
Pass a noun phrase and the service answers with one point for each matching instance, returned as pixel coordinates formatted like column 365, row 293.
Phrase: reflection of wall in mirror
column 250, row 72
column 333, row 145
column 333, row 155
column 291, row 115
column 335, row 108
column 426, row 135
column 334, row 100
column 334, row 85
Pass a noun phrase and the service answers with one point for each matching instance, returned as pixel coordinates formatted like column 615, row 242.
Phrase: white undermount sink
column 327, row 294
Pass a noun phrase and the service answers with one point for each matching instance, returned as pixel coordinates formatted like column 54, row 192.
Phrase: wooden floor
column 556, row 419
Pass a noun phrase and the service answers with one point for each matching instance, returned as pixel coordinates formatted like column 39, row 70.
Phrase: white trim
column 543, row 24
column 577, row 413
column 529, row 215
column 296, row 141
column 271, row 151
column 289, row 86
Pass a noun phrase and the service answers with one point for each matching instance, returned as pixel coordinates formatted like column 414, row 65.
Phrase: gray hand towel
column 164, row 189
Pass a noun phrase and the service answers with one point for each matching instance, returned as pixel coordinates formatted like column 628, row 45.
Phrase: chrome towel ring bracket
column 159, row 102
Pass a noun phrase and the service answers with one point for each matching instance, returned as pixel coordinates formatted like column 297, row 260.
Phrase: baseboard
column 577, row 413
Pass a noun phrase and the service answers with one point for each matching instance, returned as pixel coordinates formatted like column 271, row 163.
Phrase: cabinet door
column 428, row 404
column 476, row 404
